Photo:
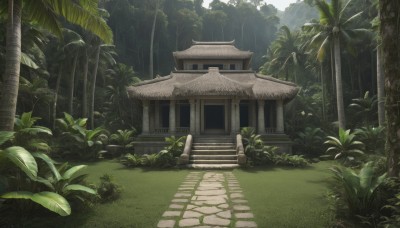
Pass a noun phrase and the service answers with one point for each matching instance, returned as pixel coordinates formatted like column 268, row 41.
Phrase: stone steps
column 213, row 152
column 214, row 157
column 218, row 162
column 212, row 166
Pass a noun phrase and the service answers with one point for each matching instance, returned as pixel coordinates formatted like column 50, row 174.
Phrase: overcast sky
column 279, row 4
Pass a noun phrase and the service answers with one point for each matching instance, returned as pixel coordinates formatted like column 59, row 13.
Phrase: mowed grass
column 288, row 197
column 146, row 195
column 278, row 197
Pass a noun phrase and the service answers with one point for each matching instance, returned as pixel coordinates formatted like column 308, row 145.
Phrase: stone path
column 208, row 199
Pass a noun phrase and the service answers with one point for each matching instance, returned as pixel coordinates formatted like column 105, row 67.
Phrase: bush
column 359, row 191
column 108, row 190
column 309, row 141
column 290, row 160
column 123, row 138
column 373, row 139
column 131, row 161
column 345, row 148
column 76, row 141
column 258, row 154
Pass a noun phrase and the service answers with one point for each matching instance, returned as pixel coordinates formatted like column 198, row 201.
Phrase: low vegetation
column 166, row 158
column 259, row 154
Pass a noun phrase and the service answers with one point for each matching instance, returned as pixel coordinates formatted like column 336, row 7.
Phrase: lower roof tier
column 238, row 84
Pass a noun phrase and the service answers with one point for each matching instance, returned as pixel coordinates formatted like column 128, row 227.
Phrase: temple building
column 213, row 92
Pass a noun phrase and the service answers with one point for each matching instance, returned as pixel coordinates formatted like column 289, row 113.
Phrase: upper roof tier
column 212, row 50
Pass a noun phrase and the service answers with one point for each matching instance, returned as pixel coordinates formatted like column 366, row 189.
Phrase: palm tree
column 45, row 13
column 151, row 68
column 74, row 48
column 106, row 52
column 119, row 78
column 287, row 54
column 333, row 29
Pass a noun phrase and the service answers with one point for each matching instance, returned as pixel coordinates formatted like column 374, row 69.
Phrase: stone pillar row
column 195, row 116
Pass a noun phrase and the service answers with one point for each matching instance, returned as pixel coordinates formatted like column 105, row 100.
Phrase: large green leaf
column 78, row 187
column 50, row 200
column 36, row 130
column 22, row 159
column 50, row 163
column 5, row 136
column 70, row 172
column 27, row 61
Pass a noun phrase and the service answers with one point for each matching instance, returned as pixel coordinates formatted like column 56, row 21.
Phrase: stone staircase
column 213, row 152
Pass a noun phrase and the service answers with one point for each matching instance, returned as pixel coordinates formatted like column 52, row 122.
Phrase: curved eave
column 269, row 88
column 155, row 89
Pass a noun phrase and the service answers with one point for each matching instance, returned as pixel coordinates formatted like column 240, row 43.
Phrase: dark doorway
column 244, row 115
column 214, row 117
column 184, row 115
column 206, row 66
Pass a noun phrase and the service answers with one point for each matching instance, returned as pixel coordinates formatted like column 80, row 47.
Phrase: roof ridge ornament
column 194, row 42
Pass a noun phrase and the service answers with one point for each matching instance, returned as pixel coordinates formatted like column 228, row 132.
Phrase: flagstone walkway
column 208, row 199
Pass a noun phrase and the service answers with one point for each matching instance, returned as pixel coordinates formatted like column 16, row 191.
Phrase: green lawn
column 278, row 197
column 288, row 197
column 146, row 195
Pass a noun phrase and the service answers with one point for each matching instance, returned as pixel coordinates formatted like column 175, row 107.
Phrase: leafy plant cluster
column 36, row 177
column 75, row 140
column 354, row 148
column 166, row 158
column 108, row 190
column 362, row 193
column 31, row 181
column 259, row 154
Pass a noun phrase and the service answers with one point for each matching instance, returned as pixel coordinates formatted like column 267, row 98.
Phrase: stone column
column 172, row 128
column 261, row 122
column 279, row 117
column 145, row 123
column 237, row 115
column 151, row 117
column 233, row 117
column 156, row 114
column 192, row 103
column 226, row 117
column 253, row 114
column 198, row 126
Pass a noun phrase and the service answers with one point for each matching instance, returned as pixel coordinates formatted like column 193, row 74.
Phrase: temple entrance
column 214, row 118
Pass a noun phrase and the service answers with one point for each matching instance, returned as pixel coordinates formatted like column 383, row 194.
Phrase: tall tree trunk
column 323, row 92
column 389, row 14
column 9, row 91
column 380, row 82
column 84, row 91
column 56, row 95
column 360, row 85
column 72, row 86
column 339, row 89
column 93, row 87
column 151, row 67
column 333, row 86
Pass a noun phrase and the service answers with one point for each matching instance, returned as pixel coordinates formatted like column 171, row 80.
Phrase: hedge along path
column 208, row 199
